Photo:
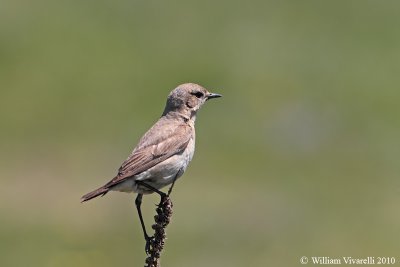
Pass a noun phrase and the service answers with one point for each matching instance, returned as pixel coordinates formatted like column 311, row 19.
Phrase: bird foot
column 149, row 244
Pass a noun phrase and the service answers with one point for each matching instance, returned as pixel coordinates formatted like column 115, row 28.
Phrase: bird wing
column 148, row 154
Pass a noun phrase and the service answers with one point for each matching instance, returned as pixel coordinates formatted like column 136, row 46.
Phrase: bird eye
column 198, row 94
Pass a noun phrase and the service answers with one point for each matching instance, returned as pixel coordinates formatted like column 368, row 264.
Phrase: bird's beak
column 212, row 95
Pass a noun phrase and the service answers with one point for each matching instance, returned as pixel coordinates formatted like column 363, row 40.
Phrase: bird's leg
column 148, row 239
column 173, row 183
column 155, row 190
column 138, row 202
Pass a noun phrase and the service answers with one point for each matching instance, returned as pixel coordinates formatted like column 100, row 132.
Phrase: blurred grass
column 299, row 158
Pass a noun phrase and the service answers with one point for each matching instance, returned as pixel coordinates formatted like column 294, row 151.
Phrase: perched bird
column 164, row 152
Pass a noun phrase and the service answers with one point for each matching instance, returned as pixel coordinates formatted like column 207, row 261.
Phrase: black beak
column 211, row 95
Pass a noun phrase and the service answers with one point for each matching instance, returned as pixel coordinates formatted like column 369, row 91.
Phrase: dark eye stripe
column 198, row 94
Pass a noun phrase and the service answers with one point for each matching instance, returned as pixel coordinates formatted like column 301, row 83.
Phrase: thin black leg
column 148, row 239
column 138, row 202
column 173, row 183
column 155, row 190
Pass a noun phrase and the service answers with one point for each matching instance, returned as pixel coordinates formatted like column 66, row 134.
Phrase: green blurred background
column 299, row 158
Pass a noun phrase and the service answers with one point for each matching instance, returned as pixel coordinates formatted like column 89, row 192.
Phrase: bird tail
column 100, row 191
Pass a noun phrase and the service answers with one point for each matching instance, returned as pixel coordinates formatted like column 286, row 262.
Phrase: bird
column 163, row 153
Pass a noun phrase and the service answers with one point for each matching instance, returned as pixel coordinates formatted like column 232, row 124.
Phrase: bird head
column 187, row 99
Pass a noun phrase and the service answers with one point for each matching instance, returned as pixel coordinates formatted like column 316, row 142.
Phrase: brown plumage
column 163, row 153
column 156, row 146
column 173, row 135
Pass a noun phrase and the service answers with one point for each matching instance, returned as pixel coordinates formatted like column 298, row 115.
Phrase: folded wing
column 148, row 154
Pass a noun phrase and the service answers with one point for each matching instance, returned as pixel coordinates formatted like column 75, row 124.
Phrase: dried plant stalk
column 162, row 219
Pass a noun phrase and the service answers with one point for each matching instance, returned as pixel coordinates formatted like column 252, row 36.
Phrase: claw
column 149, row 244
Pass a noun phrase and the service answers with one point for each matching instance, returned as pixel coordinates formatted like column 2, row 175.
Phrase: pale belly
column 160, row 175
